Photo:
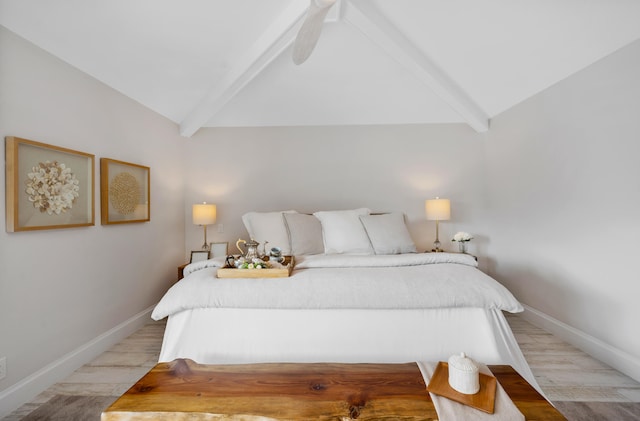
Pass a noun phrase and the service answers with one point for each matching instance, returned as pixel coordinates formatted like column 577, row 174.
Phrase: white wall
column 564, row 184
column 385, row 168
column 60, row 289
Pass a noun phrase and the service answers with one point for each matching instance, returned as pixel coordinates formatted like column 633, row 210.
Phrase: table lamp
column 437, row 210
column 204, row 214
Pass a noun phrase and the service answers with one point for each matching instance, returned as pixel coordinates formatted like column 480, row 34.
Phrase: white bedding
column 337, row 308
column 406, row 281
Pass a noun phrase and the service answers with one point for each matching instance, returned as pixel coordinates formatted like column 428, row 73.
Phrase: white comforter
column 406, row 281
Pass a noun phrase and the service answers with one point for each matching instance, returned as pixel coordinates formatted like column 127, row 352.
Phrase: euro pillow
column 342, row 231
column 305, row 234
column 388, row 233
column 268, row 226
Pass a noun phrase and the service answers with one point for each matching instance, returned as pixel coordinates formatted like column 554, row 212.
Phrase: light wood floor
column 567, row 374
column 563, row 372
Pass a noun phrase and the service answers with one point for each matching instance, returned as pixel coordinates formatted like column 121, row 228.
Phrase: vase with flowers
column 462, row 238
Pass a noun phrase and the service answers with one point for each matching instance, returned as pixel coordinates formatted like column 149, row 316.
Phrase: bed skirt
column 237, row 336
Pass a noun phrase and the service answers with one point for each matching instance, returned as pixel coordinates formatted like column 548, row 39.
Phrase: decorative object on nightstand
column 199, row 255
column 204, row 214
column 462, row 238
column 219, row 249
column 437, row 210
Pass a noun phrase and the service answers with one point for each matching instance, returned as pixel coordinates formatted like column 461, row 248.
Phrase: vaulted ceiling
column 227, row 63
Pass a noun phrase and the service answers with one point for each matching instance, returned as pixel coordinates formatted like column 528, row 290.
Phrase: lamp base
column 436, row 244
column 206, row 245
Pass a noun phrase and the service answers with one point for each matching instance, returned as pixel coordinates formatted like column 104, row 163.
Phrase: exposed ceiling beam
column 335, row 13
column 364, row 16
column 271, row 43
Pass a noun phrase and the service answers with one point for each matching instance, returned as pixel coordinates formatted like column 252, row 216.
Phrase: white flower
column 462, row 236
column 52, row 187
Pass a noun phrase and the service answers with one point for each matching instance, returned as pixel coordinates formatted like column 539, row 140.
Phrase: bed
column 343, row 307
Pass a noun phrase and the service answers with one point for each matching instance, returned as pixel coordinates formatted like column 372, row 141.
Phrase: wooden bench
column 182, row 390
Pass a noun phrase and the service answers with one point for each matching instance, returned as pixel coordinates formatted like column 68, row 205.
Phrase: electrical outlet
column 3, row 367
column 220, row 228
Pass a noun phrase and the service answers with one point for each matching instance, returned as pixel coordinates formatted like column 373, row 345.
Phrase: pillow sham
column 388, row 233
column 305, row 233
column 342, row 231
column 268, row 226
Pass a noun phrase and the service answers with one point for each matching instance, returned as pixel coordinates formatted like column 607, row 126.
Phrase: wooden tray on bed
column 231, row 272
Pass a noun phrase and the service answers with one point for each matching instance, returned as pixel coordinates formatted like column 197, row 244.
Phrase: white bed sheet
column 407, row 281
column 235, row 336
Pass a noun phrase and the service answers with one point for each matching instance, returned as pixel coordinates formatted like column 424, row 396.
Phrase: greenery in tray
column 255, row 263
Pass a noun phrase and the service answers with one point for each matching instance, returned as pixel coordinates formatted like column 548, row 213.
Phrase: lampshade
column 204, row 214
column 437, row 209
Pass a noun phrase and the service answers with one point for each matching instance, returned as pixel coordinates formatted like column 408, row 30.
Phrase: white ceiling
column 214, row 63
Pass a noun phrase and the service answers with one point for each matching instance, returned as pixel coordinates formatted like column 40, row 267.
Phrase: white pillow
column 268, row 226
column 388, row 233
column 305, row 233
column 343, row 232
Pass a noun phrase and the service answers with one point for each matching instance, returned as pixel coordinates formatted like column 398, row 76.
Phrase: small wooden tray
column 484, row 400
column 229, row 272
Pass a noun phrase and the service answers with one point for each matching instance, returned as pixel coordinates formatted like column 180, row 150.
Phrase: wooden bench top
column 182, row 390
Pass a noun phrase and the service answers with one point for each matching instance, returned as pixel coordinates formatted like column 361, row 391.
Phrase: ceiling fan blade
column 310, row 30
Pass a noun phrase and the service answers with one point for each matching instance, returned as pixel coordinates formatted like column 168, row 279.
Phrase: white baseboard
column 616, row 358
column 26, row 389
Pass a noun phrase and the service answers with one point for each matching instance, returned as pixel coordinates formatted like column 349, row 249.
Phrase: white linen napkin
column 448, row 410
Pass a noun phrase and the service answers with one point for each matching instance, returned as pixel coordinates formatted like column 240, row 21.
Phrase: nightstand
column 181, row 271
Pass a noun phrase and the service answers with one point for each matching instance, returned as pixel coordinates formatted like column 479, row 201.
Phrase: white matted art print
column 219, row 249
column 47, row 186
column 124, row 192
column 199, row 255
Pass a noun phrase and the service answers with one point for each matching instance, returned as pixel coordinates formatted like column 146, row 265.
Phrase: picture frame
column 47, row 186
column 219, row 249
column 199, row 255
column 125, row 195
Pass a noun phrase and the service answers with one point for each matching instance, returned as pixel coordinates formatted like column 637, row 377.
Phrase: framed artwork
column 124, row 192
column 197, row 256
column 47, row 187
column 219, row 249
